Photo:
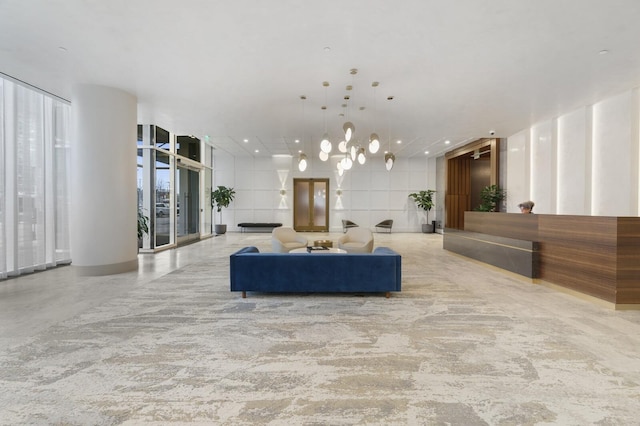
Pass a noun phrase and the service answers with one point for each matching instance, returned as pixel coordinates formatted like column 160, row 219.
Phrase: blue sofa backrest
column 251, row 270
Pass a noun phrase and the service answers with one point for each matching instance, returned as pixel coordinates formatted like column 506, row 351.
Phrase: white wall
column 370, row 193
column 518, row 161
column 584, row 162
column 574, row 162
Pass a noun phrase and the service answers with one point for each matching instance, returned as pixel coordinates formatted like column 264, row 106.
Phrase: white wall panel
column 242, row 181
column 380, row 180
column 360, row 179
column 265, row 180
column 574, row 168
column 265, row 199
column 380, row 201
column 517, row 170
column 399, row 179
column 244, row 199
column 613, row 190
column 542, row 171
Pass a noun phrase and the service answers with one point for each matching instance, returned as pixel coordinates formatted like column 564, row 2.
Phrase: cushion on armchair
column 357, row 240
column 284, row 239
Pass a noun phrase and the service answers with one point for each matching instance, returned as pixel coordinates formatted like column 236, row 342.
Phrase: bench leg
column 387, row 294
column 244, row 294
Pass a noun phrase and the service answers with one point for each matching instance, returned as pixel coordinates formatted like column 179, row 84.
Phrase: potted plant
column 424, row 200
column 491, row 196
column 143, row 226
column 220, row 198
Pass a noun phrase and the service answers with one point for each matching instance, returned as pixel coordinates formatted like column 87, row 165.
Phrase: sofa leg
column 387, row 294
column 244, row 294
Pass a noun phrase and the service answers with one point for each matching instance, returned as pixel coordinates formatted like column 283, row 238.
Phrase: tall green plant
column 221, row 197
column 491, row 196
column 424, row 200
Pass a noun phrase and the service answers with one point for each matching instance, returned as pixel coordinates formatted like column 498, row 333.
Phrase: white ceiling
column 235, row 70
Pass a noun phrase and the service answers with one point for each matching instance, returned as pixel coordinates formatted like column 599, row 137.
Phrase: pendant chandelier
column 352, row 149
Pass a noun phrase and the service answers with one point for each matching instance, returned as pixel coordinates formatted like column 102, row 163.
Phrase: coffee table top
column 329, row 250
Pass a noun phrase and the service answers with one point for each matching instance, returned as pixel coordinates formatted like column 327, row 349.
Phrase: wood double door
column 311, row 205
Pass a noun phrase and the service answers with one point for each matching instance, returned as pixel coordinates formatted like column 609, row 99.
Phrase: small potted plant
column 143, row 226
column 221, row 197
column 491, row 196
column 424, row 200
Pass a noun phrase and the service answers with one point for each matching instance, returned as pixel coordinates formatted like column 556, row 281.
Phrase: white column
column 103, row 181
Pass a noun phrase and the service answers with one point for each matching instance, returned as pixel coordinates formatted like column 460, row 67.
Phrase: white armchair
column 283, row 240
column 357, row 240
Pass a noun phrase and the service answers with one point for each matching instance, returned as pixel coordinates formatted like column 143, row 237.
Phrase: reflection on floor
column 462, row 344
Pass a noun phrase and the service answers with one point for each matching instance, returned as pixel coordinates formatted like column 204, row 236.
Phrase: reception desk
column 595, row 255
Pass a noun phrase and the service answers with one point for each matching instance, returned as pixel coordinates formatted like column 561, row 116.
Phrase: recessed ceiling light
column 62, row 48
column 327, row 49
column 256, row 151
column 246, row 140
column 603, row 52
column 398, row 141
column 297, row 141
column 426, row 152
column 447, row 142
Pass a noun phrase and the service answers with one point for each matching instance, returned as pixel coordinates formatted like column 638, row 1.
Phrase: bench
column 265, row 225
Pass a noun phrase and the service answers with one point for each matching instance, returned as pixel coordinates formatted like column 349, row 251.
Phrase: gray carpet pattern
column 462, row 344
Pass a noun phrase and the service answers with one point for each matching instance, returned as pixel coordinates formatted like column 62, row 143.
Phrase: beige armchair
column 357, row 240
column 283, row 240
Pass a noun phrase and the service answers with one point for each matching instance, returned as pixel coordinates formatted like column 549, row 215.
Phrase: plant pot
column 428, row 228
column 220, row 229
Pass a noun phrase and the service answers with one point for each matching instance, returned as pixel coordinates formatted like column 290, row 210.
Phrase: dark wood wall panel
column 458, row 194
column 518, row 226
column 580, row 253
column 591, row 271
column 628, row 260
column 580, row 230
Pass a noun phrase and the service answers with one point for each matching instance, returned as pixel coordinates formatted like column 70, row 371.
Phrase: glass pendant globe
column 347, row 163
column 361, row 157
column 325, row 144
column 324, row 156
column 389, row 159
column 354, row 152
column 349, row 129
column 342, row 146
column 374, row 143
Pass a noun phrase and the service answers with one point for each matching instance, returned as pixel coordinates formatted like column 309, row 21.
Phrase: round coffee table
column 327, row 251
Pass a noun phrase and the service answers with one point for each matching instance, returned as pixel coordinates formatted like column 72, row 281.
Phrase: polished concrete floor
column 462, row 344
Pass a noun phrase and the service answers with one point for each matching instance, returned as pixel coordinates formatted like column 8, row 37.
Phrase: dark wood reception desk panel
column 594, row 255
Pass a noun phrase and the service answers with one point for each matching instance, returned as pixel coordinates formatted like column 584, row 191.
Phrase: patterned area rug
column 462, row 344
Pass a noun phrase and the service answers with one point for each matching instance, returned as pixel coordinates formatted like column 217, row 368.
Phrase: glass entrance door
column 188, row 204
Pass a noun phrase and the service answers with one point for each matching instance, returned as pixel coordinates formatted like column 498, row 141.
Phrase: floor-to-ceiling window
column 34, row 179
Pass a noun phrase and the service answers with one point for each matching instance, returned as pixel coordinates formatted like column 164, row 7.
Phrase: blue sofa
column 380, row 271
